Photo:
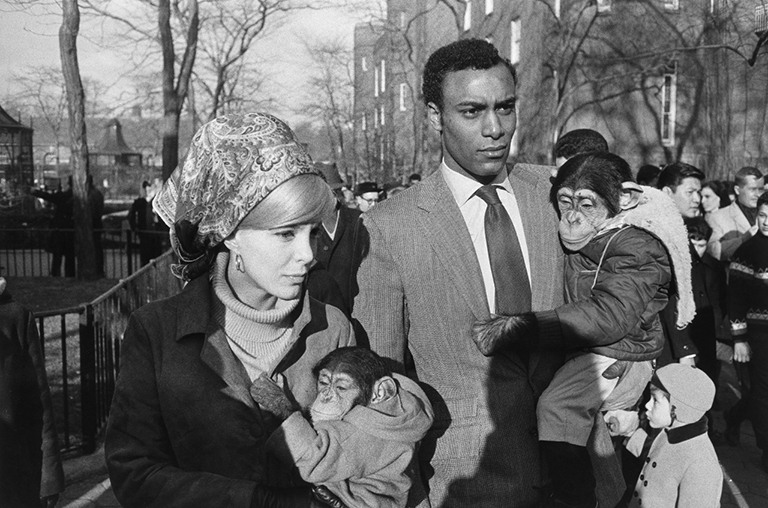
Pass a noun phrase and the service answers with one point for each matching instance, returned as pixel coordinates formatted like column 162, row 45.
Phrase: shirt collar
column 686, row 432
column 463, row 187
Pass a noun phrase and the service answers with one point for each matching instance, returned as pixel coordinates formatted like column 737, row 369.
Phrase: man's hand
column 621, row 423
column 742, row 352
column 271, row 397
column 501, row 333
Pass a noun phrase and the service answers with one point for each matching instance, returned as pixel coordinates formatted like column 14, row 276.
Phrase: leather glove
column 325, row 497
column 272, row 398
column 265, row 497
column 503, row 333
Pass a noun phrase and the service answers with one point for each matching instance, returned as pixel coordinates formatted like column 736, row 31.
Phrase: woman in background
column 183, row 430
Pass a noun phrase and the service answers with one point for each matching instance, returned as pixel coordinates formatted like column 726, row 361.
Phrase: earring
column 239, row 263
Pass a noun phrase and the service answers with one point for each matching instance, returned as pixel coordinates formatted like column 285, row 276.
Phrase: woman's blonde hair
column 303, row 199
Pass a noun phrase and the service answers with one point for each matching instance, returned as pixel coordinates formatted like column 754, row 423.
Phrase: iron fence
column 82, row 348
column 29, row 252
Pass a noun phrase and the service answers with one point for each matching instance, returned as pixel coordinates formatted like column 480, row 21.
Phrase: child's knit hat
column 690, row 390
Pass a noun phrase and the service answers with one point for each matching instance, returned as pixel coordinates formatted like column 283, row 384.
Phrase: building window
column 364, row 64
column 669, row 105
column 403, row 92
column 364, row 123
column 556, row 8
column 375, row 81
column 514, row 41
column 604, row 5
column 382, row 116
column 467, row 15
column 514, row 145
column 402, row 21
column 383, row 75
column 671, row 5
column 375, row 118
column 381, row 151
column 488, row 7
column 761, row 20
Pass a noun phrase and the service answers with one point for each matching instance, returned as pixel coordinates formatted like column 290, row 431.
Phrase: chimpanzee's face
column 582, row 214
column 337, row 393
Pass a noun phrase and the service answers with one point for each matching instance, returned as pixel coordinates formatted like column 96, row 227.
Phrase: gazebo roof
column 7, row 122
column 112, row 141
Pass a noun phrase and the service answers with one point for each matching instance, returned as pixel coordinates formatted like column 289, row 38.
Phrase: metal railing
column 29, row 252
column 83, row 359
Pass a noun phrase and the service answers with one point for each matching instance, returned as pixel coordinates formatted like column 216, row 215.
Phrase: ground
column 50, row 293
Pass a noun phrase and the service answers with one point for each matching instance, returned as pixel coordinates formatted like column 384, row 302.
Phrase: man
column 429, row 275
column 96, row 204
column 62, row 239
column 681, row 182
column 578, row 141
column 144, row 222
column 736, row 223
column 367, row 195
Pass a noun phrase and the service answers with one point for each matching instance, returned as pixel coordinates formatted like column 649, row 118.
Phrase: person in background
column 736, row 223
column 681, row 468
column 414, row 179
column 31, row 473
column 648, row 174
column 429, row 274
column 578, row 141
column 143, row 221
column 183, row 430
column 61, row 243
column 682, row 183
column 367, row 195
column 747, row 311
column 714, row 196
column 96, row 205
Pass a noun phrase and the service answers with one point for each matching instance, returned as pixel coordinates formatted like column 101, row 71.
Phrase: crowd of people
column 491, row 335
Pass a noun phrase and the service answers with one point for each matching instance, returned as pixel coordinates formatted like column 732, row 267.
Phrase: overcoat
column 183, row 428
column 421, row 290
column 730, row 228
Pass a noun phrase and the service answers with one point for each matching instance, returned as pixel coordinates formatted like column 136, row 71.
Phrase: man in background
column 367, row 195
column 736, row 223
column 578, row 141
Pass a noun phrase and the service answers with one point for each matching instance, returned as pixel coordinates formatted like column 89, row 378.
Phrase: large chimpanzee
column 366, row 422
column 623, row 242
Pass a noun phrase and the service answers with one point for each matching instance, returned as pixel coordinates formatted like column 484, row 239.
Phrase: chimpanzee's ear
column 631, row 193
column 383, row 389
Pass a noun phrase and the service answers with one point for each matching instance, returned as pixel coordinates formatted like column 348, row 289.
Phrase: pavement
column 745, row 484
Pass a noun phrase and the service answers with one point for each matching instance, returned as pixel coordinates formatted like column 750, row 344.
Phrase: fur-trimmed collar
column 656, row 213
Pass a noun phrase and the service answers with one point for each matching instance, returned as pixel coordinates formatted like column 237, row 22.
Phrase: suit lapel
column 444, row 228
column 218, row 356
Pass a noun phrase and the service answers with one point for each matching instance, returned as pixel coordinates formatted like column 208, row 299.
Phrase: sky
column 29, row 38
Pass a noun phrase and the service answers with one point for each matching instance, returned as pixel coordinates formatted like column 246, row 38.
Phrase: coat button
column 653, row 465
column 647, row 459
column 645, row 483
column 636, row 494
column 642, row 477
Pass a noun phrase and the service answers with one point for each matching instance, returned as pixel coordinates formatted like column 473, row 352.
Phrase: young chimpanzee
column 366, row 422
column 622, row 243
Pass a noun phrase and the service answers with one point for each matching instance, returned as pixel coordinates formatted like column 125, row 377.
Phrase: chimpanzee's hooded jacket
column 619, row 282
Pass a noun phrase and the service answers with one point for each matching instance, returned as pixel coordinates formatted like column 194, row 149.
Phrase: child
column 748, row 312
column 681, row 468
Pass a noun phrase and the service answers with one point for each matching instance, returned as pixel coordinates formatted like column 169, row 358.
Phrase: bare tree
column 70, row 26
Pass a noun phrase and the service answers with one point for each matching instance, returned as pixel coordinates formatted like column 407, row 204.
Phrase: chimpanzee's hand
column 500, row 333
column 271, row 397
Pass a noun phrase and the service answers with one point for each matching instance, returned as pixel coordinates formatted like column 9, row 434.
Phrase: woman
column 183, row 429
column 714, row 195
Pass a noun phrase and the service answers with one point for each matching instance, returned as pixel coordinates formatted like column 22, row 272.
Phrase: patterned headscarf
column 233, row 163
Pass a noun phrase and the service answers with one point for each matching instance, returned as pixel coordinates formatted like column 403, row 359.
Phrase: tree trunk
column 84, row 245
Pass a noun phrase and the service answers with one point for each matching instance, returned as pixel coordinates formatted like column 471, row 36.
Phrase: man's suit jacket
column 420, row 292
column 730, row 228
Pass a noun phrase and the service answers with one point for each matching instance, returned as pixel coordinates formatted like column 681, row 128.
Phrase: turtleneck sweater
column 258, row 338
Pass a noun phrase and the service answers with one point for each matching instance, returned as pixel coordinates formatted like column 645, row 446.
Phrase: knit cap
column 690, row 390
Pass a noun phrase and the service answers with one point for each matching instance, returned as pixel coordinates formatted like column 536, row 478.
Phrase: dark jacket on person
column 615, row 285
column 338, row 255
column 183, row 428
column 30, row 462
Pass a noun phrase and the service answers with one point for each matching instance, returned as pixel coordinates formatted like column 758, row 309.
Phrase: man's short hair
column 741, row 175
column 476, row 54
column 647, row 174
column 580, row 141
column 672, row 174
